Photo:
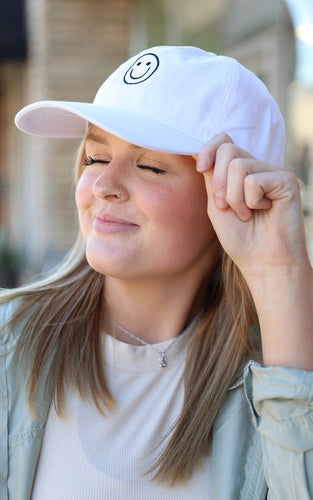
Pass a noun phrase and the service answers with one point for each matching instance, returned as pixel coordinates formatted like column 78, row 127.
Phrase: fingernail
column 202, row 164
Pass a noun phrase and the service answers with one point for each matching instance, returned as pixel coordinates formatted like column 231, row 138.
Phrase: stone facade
column 72, row 47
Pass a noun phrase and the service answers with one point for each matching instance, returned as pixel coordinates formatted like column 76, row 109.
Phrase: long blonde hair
column 61, row 336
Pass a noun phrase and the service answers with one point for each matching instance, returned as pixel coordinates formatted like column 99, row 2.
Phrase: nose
column 110, row 185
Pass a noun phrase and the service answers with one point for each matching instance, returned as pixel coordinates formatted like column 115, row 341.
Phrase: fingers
column 244, row 190
column 219, row 153
column 263, row 188
column 238, row 181
column 230, row 169
column 206, row 157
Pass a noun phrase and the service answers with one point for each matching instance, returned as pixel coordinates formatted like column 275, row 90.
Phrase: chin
column 100, row 265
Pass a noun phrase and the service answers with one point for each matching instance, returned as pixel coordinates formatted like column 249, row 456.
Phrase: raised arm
column 256, row 212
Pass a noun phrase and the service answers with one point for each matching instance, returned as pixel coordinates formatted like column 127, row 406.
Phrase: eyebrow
column 94, row 137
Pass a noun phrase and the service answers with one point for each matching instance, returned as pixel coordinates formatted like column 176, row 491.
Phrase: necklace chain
column 162, row 354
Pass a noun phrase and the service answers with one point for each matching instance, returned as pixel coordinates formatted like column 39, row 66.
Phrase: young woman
column 171, row 355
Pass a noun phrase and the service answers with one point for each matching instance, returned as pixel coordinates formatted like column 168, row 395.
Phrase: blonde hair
column 61, row 336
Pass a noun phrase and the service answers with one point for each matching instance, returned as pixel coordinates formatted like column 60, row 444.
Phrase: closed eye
column 155, row 170
column 90, row 160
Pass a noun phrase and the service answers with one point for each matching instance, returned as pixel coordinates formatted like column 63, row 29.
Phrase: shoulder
column 8, row 335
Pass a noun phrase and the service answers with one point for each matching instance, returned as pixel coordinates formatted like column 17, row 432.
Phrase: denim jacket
column 262, row 443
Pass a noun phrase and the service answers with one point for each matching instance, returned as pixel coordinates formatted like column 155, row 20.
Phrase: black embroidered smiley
column 142, row 69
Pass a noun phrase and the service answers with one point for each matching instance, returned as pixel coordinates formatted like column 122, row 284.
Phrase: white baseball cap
column 172, row 99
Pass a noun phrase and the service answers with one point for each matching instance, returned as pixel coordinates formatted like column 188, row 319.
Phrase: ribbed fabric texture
column 88, row 456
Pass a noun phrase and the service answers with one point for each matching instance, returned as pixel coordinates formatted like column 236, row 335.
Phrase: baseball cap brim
column 71, row 119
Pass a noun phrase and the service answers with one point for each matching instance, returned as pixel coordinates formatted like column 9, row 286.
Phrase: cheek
column 83, row 193
column 192, row 223
column 83, row 199
column 181, row 215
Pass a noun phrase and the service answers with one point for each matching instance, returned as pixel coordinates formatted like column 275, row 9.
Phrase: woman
column 138, row 357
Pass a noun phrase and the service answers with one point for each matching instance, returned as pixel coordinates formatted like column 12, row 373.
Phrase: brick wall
column 72, row 47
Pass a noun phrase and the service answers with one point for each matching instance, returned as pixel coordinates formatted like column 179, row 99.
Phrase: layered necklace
column 162, row 354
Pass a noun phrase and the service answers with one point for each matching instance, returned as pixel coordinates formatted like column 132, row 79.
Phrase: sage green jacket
column 262, row 437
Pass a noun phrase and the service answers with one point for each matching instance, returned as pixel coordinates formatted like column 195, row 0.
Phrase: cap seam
column 231, row 81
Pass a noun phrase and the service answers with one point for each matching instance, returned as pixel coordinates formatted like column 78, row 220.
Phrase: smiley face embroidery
column 142, row 69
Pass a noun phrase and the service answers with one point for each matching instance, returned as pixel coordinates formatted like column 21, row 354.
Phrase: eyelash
column 90, row 161
column 155, row 170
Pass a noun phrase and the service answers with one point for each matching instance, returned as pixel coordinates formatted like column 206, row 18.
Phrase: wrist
column 284, row 306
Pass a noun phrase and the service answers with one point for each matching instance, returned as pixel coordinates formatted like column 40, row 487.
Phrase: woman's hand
column 255, row 209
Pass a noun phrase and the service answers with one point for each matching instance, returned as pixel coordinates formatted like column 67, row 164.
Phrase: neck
column 153, row 311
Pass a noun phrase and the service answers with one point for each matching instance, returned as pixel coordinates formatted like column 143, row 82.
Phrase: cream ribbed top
column 88, row 456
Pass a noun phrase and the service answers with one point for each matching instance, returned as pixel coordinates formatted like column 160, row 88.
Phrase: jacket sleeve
column 5, row 312
column 281, row 402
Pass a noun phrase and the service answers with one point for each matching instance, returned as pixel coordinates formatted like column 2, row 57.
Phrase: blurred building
column 66, row 49
column 70, row 48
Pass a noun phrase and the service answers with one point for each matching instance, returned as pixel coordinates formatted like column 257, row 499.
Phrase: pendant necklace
column 161, row 354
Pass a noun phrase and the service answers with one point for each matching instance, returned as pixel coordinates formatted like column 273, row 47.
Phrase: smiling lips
column 107, row 223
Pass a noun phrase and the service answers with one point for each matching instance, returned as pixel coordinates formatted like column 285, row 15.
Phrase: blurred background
column 56, row 49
